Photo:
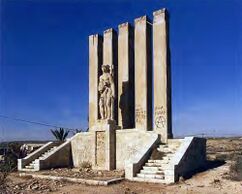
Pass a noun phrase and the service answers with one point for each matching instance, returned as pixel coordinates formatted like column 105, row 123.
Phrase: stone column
column 143, row 74
column 125, row 76
column 110, row 52
column 161, row 82
column 95, row 61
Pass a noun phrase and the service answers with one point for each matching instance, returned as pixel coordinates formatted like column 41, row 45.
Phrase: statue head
column 105, row 68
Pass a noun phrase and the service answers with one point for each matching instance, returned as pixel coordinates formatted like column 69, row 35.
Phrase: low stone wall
column 190, row 156
column 133, row 148
column 61, row 157
column 34, row 155
column 131, row 144
column 83, row 148
column 194, row 159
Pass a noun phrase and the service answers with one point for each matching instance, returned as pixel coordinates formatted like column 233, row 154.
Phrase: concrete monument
column 125, row 125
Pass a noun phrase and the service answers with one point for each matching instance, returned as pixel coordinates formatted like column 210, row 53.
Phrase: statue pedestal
column 105, row 144
column 106, row 122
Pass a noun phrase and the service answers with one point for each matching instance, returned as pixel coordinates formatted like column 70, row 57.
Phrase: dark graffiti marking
column 159, row 110
column 140, row 115
column 160, row 117
column 160, row 122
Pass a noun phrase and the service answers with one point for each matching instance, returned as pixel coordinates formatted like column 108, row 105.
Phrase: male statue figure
column 107, row 93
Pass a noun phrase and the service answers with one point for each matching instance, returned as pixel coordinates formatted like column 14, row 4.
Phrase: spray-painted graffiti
column 160, row 117
column 140, row 115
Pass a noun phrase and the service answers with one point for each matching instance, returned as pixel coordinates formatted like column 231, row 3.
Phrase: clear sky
column 44, row 62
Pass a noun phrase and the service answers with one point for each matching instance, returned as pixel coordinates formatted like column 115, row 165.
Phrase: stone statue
column 107, row 93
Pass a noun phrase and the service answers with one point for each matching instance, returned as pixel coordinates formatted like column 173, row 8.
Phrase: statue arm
column 100, row 85
column 112, row 86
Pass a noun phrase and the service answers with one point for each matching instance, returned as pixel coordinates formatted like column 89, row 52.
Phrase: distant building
column 27, row 148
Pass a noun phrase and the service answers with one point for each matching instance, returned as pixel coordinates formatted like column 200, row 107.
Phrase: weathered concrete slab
column 143, row 74
column 95, row 62
column 126, row 76
column 161, row 78
column 74, row 180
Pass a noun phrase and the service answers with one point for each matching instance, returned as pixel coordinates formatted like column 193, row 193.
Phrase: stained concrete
column 161, row 78
column 95, row 62
column 126, row 76
column 143, row 74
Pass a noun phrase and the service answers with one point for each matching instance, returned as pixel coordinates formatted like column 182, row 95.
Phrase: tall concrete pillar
column 125, row 76
column 110, row 52
column 95, row 61
column 161, row 77
column 143, row 74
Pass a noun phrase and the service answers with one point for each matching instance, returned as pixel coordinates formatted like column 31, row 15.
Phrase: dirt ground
column 212, row 180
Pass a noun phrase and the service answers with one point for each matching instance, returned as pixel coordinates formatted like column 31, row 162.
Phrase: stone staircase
column 35, row 163
column 153, row 170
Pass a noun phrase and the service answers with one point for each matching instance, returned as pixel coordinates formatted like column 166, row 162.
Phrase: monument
column 129, row 110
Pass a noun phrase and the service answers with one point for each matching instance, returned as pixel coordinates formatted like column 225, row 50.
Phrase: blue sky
column 44, row 62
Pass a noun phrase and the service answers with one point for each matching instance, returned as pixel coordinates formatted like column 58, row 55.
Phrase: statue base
column 104, row 132
column 106, row 122
column 102, row 125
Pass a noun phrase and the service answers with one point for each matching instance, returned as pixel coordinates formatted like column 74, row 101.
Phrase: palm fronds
column 60, row 134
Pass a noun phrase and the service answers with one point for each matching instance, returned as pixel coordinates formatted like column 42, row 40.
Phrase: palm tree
column 60, row 134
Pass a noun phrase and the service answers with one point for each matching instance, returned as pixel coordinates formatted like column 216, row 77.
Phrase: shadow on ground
column 210, row 164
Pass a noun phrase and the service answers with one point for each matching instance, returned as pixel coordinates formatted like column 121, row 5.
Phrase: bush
column 236, row 169
column 8, row 164
column 6, row 167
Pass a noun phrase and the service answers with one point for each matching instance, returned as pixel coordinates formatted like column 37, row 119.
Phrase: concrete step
column 44, row 155
column 167, row 158
column 166, row 150
column 155, row 168
column 47, row 153
column 29, row 167
column 157, row 172
column 154, row 161
column 28, row 170
column 152, row 165
column 164, row 160
column 173, row 144
column 170, row 148
column 168, row 154
column 53, row 148
column 149, row 180
column 156, row 164
column 153, row 176
column 151, row 168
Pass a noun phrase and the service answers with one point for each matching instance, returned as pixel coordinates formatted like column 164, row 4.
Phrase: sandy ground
column 212, row 181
